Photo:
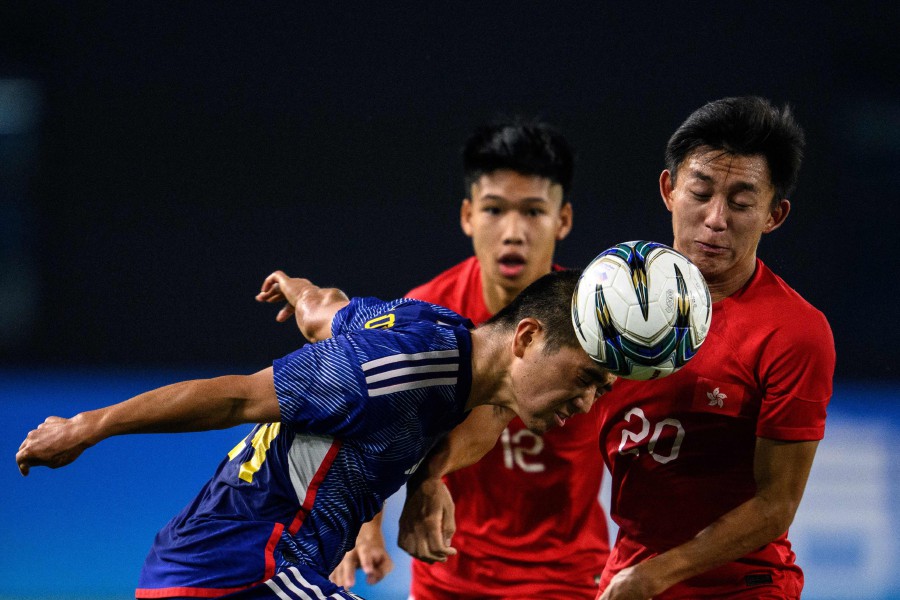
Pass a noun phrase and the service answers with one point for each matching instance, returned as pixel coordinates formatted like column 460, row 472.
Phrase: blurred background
column 157, row 160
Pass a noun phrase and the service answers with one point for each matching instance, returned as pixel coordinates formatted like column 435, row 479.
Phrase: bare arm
column 781, row 470
column 427, row 523
column 197, row 405
column 313, row 307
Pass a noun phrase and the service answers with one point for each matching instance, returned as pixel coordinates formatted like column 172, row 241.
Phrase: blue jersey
column 359, row 411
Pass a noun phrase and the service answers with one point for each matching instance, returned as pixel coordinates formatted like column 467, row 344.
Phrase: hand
column 55, row 443
column 628, row 584
column 312, row 306
column 427, row 523
column 344, row 574
column 278, row 287
column 369, row 554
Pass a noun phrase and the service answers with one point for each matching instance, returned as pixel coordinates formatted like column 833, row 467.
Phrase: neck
column 490, row 369
column 496, row 296
column 728, row 283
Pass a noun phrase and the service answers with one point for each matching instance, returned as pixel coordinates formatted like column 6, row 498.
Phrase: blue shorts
column 294, row 583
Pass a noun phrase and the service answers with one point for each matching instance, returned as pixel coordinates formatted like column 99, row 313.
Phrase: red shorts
column 466, row 578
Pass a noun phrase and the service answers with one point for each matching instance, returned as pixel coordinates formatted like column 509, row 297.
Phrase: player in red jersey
column 709, row 464
column 528, row 523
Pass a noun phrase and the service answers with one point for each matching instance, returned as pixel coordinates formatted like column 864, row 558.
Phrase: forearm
column 467, row 443
column 780, row 470
column 737, row 533
column 196, row 405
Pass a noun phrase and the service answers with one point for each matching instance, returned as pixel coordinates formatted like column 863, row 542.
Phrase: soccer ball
column 641, row 310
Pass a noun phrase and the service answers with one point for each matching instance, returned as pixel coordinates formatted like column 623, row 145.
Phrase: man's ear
column 565, row 221
column 465, row 216
column 666, row 185
column 527, row 333
column 778, row 215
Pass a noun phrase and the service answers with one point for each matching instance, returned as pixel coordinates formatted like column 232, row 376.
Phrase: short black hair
column 549, row 300
column 529, row 147
column 746, row 125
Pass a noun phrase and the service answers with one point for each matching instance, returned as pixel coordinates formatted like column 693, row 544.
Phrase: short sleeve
column 319, row 389
column 362, row 313
column 797, row 369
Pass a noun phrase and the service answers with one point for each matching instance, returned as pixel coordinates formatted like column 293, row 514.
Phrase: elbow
column 315, row 310
column 778, row 515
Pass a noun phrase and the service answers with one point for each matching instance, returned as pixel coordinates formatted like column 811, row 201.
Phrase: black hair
column 549, row 300
column 529, row 147
column 745, row 126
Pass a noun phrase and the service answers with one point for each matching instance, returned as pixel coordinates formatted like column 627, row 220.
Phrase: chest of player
column 709, row 406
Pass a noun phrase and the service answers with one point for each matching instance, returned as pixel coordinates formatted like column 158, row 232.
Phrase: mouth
column 710, row 248
column 511, row 265
column 560, row 418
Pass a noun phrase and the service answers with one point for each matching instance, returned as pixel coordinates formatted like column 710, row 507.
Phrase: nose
column 716, row 214
column 583, row 404
column 513, row 228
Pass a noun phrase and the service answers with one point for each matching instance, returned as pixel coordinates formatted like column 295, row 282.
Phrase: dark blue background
column 184, row 151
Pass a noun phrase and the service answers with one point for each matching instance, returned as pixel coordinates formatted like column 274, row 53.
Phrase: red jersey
column 528, row 517
column 680, row 449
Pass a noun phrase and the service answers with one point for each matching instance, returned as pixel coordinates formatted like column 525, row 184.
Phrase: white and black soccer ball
column 641, row 309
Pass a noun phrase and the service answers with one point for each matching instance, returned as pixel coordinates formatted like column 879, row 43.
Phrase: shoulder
column 449, row 282
column 775, row 318
column 366, row 313
column 776, row 301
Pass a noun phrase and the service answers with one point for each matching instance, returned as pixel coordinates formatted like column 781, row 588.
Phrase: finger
column 343, row 576
column 338, row 577
column 23, row 468
column 273, row 294
column 368, row 567
column 448, row 525
column 285, row 313
column 271, row 280
column 372, row 564
column 381, row 565
column 348, row 577
column 272, row 288
column 374, row 576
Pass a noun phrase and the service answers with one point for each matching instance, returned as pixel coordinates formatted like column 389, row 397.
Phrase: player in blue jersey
column 343, row 423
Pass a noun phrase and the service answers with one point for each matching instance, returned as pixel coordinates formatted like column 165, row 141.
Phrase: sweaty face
column 552, row 387
column 721, row 205
column 514, row 221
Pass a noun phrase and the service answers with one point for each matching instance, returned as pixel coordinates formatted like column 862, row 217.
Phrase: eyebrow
column 529, row 199
column 740, row 185
column 595, row 373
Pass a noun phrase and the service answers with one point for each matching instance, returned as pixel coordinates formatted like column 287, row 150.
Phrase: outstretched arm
column 427, row 523
column 197, row 405
column 781, row 470
column 313, row 307
column 190, row 405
